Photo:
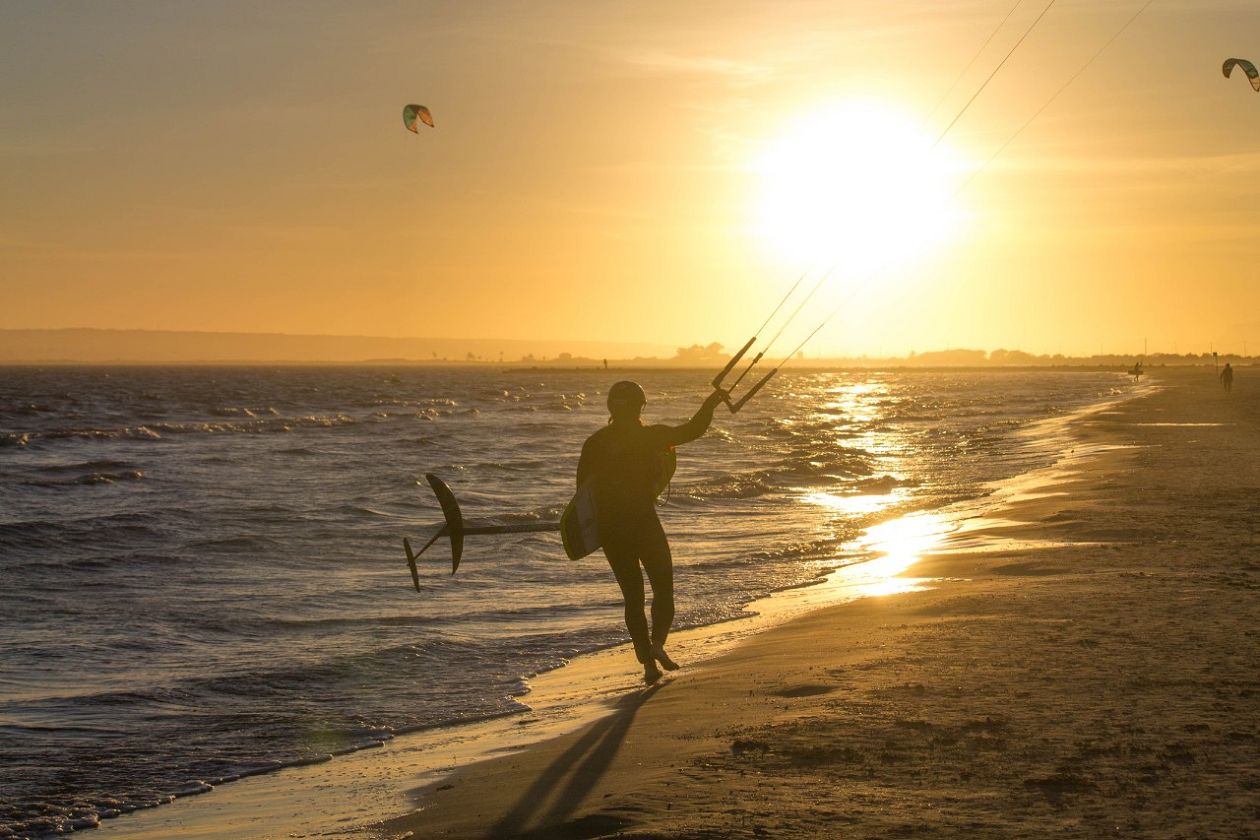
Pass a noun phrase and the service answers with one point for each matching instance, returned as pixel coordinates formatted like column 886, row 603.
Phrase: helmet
column 626, row 393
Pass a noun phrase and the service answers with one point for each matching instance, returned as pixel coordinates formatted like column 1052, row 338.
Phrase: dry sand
column 1085, row 665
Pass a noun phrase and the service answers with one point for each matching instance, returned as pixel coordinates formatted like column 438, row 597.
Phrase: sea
column 202, row 574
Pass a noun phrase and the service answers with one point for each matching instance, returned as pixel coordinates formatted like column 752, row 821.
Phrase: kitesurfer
column 628, row 463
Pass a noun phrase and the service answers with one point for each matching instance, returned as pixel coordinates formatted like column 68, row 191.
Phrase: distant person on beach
column 1227, row 377
column 627, row 461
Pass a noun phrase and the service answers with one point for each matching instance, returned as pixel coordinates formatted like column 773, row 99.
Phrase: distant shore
column 111, row 347
column 807, row 366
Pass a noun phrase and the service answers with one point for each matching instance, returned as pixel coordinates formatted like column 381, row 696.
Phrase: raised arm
column 697, row 425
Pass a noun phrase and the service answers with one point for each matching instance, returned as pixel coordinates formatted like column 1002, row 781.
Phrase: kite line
column 989, row 78
column 1080, row 71
column 971, row 63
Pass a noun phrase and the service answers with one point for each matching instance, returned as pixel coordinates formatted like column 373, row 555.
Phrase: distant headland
column 174, row 347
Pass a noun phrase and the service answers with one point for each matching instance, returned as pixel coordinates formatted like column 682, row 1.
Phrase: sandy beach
column 1084, row 664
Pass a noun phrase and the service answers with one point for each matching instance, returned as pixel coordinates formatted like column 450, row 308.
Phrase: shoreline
column 1066, row 673
column 293, row 800
column 369, row 784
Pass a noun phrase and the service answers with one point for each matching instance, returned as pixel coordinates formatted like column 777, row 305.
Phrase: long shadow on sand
column 568, row 779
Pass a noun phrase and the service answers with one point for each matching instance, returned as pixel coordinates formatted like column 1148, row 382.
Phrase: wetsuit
column 625, row 461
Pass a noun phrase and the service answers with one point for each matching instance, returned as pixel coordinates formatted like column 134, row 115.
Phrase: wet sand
column 1085, row 663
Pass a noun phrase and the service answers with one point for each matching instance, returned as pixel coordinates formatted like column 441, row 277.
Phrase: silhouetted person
column 1227, row 377
column 626, row 459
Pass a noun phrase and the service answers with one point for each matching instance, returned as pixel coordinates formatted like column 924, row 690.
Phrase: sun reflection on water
column 853, row 504
column 898, row 544
column 856, row 402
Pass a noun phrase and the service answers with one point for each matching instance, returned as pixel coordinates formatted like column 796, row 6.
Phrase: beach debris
column 413, row 114
column 745, row 745
column 1253, row 75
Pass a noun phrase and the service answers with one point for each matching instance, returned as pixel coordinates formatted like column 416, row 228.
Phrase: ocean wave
column 28, row 409
column 383, row 416
column 841, row 466
column 125, row 432
column 157, row 430
column 493, row 615
column 361, row 512
column 788, row 428
column 526, row 517
column 346, row 622
column 132, row 560
column 531, row 407
column 730, row 487
column 248, row 543
column 525, row 465
column 44, row 534
column 89, row 474
column 788, row 551
column 261, row 425
column 882, row 484
column 433, row 402
column 60, row 730
column 109, row 478
column 86, row 466
column 242, row 411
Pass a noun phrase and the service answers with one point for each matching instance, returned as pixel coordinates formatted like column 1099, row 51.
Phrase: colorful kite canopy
column 412, row 113
column 1250, row 69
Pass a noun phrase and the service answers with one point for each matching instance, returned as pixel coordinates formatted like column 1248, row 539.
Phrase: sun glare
column 857, row 186
column 898, row 544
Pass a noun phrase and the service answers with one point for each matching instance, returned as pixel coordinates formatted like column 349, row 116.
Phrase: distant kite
column 1253, row 75
column 412, row 113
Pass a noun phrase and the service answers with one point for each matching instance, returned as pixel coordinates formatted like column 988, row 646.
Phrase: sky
column 635, row 171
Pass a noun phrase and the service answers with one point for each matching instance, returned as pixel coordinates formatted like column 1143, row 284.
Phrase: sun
column 858, row 186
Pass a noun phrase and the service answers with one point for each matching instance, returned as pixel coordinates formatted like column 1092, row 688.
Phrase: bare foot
column 651, row 673
column 659, row 654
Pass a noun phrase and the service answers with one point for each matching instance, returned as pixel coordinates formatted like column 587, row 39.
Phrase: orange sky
column 593, row 174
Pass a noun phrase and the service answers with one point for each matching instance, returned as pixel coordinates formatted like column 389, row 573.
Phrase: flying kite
column 412, row 113
column 1253, row 75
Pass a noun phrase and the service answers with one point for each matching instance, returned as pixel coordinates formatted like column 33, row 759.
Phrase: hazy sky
column 597, row 170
